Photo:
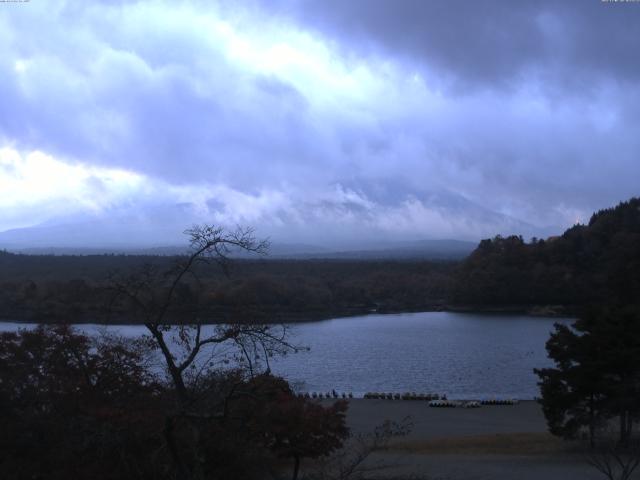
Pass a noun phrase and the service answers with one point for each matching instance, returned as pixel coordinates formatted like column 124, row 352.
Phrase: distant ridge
column 424, row 249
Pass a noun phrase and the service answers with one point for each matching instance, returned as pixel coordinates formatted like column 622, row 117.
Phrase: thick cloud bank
column 319, row 121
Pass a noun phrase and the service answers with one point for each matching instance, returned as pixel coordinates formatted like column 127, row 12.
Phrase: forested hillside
column 594, row 263
column 75, row 288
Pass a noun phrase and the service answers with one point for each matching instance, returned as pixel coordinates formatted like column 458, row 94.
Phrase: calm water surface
column 461, row 355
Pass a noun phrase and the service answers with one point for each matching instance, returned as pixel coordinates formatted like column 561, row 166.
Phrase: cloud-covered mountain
column 319, row 121
column 355, row 218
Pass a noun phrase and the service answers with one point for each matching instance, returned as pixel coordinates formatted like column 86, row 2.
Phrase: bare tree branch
column 152, row 295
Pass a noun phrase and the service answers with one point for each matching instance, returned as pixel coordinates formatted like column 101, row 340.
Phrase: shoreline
column 542, row 311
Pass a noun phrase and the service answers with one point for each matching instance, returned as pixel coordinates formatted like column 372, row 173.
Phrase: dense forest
column 75, row 288
column 597, row 263
column 594, row 263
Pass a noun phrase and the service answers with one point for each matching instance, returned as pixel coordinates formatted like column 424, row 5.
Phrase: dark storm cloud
column 324, row 119
column 545, row 93
column 492, row 43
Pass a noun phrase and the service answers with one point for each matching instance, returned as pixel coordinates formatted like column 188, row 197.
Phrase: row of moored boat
column 320, row 395
column 435, row 400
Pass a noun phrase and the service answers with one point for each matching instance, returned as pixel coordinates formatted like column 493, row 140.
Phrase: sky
column 316, row 121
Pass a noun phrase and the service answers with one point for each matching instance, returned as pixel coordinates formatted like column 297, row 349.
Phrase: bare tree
column 615, row 460
column 172, row 317
column 354, row 460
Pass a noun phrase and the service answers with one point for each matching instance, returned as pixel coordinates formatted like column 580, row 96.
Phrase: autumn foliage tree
column 78, row 406
column 289, row 426
column 70, row 405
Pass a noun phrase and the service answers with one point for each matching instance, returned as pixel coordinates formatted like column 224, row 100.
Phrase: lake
column 461, row 355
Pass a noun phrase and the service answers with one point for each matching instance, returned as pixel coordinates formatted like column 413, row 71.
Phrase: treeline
column 597, row 263
column 76, row 288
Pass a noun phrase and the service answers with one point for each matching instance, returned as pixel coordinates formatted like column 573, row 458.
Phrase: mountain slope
column 594, row 263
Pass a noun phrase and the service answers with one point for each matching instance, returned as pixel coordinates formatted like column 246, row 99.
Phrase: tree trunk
column 171, row 445
column 296, row 466
column 174, row 371
column 624, row 431
column 592, row 422
column 178, row 382
column 197, row 472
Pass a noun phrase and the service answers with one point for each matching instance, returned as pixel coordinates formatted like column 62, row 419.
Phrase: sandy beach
column 490, row 442
column 431, row 423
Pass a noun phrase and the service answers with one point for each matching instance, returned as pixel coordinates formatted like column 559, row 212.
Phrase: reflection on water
column 462, row 355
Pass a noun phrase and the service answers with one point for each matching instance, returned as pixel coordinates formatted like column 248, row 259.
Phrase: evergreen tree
column 597, row 373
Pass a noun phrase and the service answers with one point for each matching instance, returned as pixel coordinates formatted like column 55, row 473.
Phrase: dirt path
column 491, row 442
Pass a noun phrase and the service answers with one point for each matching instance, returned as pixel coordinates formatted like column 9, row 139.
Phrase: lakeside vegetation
column 123, row 418
column 73, row 288
column 594, row 263
column 118, row 419
column 205, row 413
